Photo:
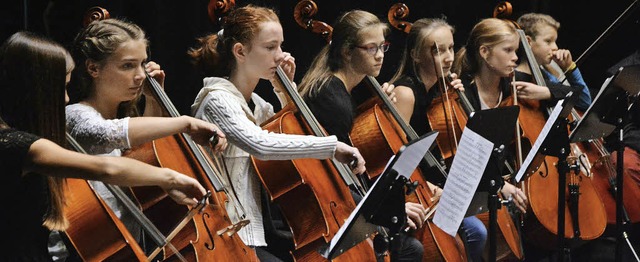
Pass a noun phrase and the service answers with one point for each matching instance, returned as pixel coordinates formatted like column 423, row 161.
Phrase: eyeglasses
column 373, row 49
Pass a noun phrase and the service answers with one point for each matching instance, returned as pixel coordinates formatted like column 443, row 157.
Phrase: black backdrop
column 173, row 25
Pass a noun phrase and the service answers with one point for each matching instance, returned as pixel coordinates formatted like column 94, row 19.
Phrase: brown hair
column 32, row 83
column 417, row 44
column 213, row 55
column 346, row 35
column 488, row 32
column 97, row 42
column 531, row 23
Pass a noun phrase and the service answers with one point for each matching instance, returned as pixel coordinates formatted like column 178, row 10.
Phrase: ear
column 529, row 40
column 484, row 52
column 346, row 54
column 239, row 51
column 414, row 56
column 92, row 68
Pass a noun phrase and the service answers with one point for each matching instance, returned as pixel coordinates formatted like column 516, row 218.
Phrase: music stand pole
column 619, row 186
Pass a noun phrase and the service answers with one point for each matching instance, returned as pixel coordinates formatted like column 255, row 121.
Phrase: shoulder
column 404, row 94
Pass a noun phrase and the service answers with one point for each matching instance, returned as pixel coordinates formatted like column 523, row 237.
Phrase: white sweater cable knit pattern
column 221, row 103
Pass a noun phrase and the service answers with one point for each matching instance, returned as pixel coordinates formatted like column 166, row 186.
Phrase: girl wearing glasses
column 247, row 49
column 356, row 51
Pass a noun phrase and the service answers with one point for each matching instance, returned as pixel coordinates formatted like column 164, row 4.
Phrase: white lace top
column 99, row 136
column 221, row 103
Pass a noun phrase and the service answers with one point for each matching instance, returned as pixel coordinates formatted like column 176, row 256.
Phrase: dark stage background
column 172, row 27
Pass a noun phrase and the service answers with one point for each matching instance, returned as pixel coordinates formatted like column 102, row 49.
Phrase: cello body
column 205, row 237
column 89, row 217
column 378, row 137
column 312, row 196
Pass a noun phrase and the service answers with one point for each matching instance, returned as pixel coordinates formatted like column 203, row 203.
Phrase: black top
column 24, row 200
column 558, row 91
column 471, row 91
column 422, row 102
column 334, row 108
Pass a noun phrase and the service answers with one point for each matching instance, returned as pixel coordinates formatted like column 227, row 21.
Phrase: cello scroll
column 303, row 12
column 217, row 8
column 396, row 14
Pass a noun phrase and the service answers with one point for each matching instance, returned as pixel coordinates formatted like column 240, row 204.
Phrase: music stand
column 383, row 205
column 553, row 140
column 498, row 126
column 608, row 112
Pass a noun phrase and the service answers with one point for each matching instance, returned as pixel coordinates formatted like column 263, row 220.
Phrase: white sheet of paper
column 543, row 134
column 466, row 171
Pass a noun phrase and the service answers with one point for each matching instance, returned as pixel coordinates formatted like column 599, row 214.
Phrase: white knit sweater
column 221, row 103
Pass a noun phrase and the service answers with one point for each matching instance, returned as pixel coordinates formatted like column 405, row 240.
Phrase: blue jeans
column 476, row 237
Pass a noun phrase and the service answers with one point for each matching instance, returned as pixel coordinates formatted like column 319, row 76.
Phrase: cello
column 447, row 114
column 584, row 214
column 209, row 235
column 316, row 187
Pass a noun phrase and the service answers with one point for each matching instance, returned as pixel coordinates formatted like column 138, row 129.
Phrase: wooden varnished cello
column 313, row 195
column 448, row 114
column 210, row 235
column 585, row 217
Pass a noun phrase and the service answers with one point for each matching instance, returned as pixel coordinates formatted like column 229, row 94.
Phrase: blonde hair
column 213, row 55
column 532, row 22
column 488, row 32
column 417, row 44
column 346, row 35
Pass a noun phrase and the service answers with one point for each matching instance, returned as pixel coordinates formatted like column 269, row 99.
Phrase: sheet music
column 543, row 134
column 466, row 171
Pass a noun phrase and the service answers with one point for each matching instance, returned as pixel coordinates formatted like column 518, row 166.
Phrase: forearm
column 146, row 129
column 47, row 158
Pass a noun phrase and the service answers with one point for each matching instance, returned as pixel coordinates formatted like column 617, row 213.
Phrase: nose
column 554, row 46
column 379, row 54
column 140, row 74
column 279, row 55
column 448, row 57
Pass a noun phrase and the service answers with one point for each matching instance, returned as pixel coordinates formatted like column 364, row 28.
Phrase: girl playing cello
column 34, row 166
column 356, row 50
column 112, row 63
column 248, row 49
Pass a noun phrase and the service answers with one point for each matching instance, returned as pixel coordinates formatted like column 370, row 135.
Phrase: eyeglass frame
column 384, row 47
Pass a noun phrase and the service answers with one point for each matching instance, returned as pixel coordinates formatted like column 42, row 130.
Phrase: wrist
column 571, row 67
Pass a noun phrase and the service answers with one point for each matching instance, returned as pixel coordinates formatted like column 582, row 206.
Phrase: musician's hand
column 350, row 155
column 517, row 196
column 202, row 131
column 456, row 82
column 563, row 58
column 288, row 65
column 388, row 89
column 153, row 69
column 528, row 90
column 416, row 215
column 183, row 189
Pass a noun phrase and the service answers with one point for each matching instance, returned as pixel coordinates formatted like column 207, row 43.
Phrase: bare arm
column 47, row 158
column 405, row 102
column 145, row 129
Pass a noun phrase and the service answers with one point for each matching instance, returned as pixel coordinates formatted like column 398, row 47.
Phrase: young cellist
column 34, row 165
column 356, row 51
column 247, row 49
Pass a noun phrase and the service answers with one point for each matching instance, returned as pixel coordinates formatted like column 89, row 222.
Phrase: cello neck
column 316, row 129
column 166, row 103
